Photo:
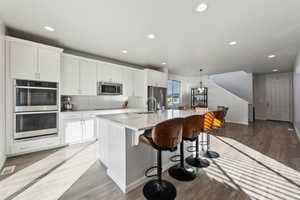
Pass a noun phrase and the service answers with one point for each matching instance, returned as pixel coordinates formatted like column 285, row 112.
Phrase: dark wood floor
column 247, row 153
column 260, row 161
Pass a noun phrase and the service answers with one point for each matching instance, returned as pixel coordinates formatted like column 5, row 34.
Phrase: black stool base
column 197, row 162
column 155, row 190
column 182, row 173
column 210, row 154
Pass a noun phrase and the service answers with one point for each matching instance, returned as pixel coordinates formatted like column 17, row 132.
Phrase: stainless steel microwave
column 104, row 88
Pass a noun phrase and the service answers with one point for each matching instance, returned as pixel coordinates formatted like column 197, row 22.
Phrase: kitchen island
column 120, row 151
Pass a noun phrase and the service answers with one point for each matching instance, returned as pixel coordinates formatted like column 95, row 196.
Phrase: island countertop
column 142, row 120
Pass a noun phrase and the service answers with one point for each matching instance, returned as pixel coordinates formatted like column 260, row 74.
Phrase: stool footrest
column 191, row 149
column 173, row 158
column 149, row 170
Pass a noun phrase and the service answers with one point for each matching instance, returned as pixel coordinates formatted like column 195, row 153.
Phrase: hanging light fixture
column 201, row 88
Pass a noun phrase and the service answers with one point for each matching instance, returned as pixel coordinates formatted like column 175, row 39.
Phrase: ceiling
column 185, row 39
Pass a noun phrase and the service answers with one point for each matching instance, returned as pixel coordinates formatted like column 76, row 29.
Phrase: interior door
column 278, row 87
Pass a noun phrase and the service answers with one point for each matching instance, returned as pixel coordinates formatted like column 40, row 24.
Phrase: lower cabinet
column 79, row 130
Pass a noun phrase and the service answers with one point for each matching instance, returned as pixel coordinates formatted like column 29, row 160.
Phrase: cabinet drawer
column 71, row 116
column 30, row 146
column 88, row 115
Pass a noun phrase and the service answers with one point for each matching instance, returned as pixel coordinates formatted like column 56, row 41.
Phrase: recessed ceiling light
column 275, row 70
column 151, row 36
column 124, row 51
column 271, row 56
column 232, row 43
column 201, row 7
column 163, row 63
column 49, row 28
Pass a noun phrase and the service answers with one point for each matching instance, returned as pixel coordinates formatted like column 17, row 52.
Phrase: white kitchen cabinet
column 110, row 73
column 78, row 76
column 103, row 142
column 139, row 84
column 89, row 129
column 23, row 60
column 33, row 61
column 156, row 78
column 69, row 76
column 87, row 78
column 128, row 82
column 78, row 128
column 49, row 65
column 73, row 131
column 104, row 72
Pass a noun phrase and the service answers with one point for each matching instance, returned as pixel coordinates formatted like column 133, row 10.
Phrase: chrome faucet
column 154, row 105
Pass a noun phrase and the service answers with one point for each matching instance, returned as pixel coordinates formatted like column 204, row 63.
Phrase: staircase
column 239, row 83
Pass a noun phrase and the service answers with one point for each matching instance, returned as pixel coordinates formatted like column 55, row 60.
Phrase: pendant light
column 201, row 88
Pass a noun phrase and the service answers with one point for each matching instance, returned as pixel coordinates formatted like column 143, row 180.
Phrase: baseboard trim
column 2, row 162
column 238, row 122
column 297, row 132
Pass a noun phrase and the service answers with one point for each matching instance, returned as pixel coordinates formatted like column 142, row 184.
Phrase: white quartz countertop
column 141, row 121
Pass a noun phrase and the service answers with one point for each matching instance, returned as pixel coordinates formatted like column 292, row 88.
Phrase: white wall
column 217, row 96
column 240, row 83
column 2, row 95
column 296, row 84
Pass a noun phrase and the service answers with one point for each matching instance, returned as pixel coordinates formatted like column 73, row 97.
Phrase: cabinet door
column 69, row 76
column 151, row 77
column 89, row 129
column 104, row 72
column 127, row 82
column 73, row 131
column 23, row 61
column 88, row 78
column 49, row 64
column 103, row 141
column 139, row 84
column 163, row 80
column 116, row 74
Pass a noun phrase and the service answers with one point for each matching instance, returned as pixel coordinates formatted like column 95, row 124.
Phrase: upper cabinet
column 48, row 65
column 128, row 82
column 32, row 61
column 78, row 76
column 87, row 78
column 110, row 73
column 139, row 83
column 69, row 76
column 156, row 78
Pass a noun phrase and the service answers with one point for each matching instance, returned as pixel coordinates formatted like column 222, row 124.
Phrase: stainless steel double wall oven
column 36, row 109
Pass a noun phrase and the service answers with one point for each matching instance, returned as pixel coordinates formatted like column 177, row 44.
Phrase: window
column 174, row 92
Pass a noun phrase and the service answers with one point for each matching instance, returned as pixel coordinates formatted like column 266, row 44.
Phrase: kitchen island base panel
column 125, row 162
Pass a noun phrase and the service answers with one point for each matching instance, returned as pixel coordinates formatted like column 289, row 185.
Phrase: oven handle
column 40, row 88
column 30, row 113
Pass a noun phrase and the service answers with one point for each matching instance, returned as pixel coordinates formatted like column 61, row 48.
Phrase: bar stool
column 163, row 137
column 193, row 126
column 222, row 116
column 209, row 120
column 191, row 130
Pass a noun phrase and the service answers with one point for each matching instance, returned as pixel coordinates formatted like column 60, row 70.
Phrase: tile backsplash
column 97, row 102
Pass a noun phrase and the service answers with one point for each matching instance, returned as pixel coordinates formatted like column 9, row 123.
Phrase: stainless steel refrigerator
column 160, row 95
